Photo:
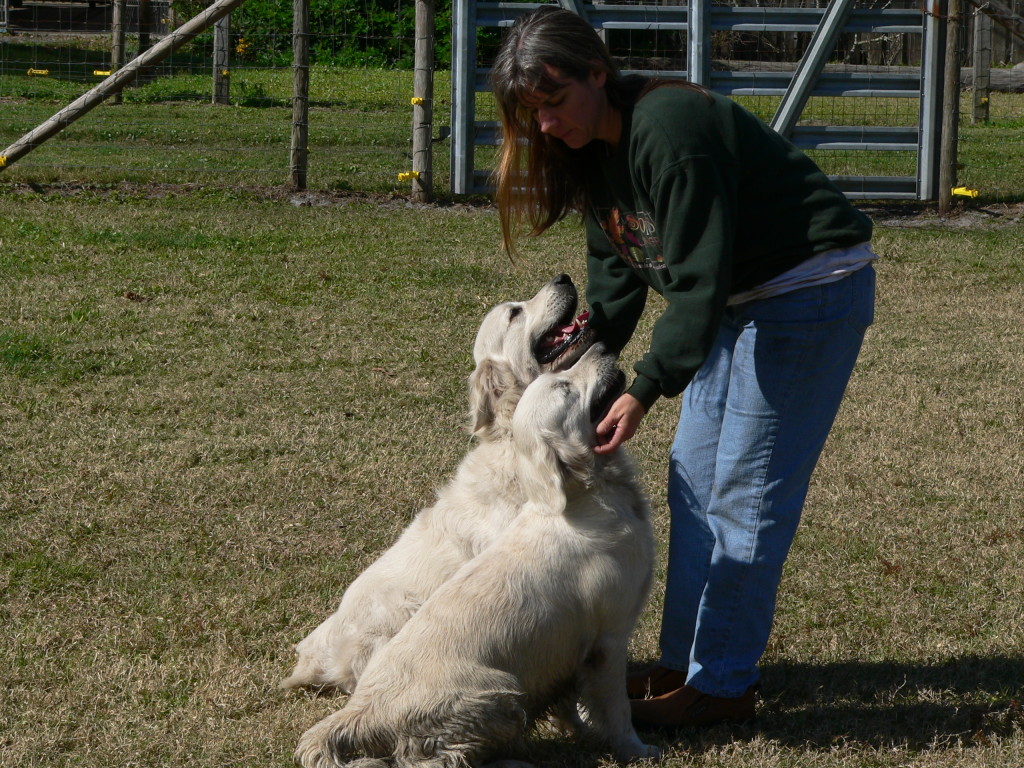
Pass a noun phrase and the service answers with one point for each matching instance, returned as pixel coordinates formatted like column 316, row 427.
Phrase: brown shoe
column 687, row 707
column 654, row 681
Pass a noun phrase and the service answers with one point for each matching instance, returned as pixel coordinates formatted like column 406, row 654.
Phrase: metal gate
column 699, row 19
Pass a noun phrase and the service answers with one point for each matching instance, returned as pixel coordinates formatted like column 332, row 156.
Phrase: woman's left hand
column 619, row 424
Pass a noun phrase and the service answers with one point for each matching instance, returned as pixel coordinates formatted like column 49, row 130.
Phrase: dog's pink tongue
column 575, row 325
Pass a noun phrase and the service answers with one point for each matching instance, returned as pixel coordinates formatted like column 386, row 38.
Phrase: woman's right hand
column 619, row 424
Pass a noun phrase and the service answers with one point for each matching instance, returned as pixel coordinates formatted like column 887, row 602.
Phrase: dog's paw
column 312, row 756
column 312, row 750
column 565, row 719
column 638, row 751
column 651, row 752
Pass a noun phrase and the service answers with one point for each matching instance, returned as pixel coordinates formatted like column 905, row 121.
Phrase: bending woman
column 765, row 269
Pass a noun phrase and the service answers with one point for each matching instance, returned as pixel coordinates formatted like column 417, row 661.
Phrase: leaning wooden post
column 300, row 93
column 982, row 65
column 950, row 109
column 115, row 82
column 423, row 104
column 117, row 43
column 222, row 61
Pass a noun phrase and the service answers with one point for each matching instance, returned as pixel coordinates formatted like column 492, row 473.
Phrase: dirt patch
column 965, row 215
column 298, row 198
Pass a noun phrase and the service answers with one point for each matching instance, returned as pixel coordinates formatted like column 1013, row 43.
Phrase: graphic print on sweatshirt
column 634, row 237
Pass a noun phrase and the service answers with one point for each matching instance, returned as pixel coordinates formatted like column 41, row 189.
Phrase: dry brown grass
column 217, row 409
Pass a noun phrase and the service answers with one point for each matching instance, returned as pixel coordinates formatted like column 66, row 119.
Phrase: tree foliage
column 378, row 33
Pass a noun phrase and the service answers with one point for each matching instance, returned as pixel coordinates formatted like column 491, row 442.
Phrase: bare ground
column 966, row 215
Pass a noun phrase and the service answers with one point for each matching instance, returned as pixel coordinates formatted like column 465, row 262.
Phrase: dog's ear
column 552, row 468
column 541, row 477
column 493, row 394
column 574, row 457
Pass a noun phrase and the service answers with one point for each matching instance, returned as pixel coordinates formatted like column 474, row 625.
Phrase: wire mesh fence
column 167, row 128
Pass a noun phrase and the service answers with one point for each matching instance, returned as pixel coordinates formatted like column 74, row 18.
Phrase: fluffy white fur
column 538, row 621
column 516, row 342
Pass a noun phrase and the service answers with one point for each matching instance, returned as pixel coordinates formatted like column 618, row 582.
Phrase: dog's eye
column 514, row 313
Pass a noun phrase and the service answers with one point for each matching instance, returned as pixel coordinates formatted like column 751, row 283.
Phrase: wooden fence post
column 117, row 43
column 145, row 34
column 982, row 65
column 950, row 109
column 300, row 93
column 423, row 104
column 222, row 61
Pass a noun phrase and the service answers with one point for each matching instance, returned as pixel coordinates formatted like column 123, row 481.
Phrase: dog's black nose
column 562, row 279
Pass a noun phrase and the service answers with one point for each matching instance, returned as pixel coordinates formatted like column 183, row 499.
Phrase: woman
column 766, row 273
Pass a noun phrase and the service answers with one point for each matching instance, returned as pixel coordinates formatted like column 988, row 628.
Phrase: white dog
column 516, row 342
column 536, row 622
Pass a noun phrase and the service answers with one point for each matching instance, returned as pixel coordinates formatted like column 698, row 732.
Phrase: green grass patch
column 219, row 407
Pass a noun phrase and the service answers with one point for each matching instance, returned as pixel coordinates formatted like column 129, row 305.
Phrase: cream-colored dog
column 538, row 622
column 516, row 342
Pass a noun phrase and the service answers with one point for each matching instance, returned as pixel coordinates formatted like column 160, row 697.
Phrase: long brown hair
column 538, row 179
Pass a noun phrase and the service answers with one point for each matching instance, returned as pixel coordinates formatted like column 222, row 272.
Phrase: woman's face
column 577, row 112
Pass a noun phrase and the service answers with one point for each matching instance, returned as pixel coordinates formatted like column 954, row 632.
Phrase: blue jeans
column 754, row 421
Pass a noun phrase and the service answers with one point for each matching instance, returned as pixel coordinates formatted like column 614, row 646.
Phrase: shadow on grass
column 853, row 706
column 966, row 701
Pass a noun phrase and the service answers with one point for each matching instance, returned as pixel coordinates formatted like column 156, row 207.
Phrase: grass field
column 219, row 402
column 218, row 407
column 166, row 131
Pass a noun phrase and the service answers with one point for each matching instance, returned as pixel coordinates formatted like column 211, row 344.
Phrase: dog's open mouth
column 564, row 338
column 614, row 386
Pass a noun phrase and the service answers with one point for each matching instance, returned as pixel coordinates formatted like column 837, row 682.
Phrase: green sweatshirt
column 699, row 200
